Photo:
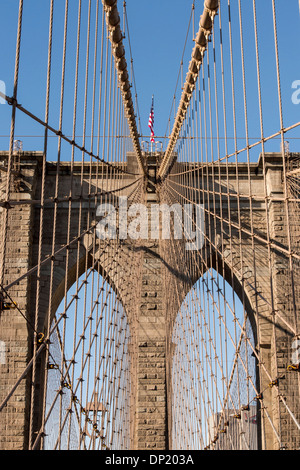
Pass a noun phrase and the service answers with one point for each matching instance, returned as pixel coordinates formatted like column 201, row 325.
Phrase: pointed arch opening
column 213, row 371
column 89, row 384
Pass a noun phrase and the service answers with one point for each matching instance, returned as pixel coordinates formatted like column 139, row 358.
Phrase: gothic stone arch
column 249, row 261
column 57, row 274
column 265, row 294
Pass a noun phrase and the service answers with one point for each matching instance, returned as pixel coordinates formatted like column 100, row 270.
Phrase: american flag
column 151, row 121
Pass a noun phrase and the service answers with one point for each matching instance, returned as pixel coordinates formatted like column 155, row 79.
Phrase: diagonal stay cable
column 12, row 101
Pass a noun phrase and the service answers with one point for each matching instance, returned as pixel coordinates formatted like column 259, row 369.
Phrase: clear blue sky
column 157, row 32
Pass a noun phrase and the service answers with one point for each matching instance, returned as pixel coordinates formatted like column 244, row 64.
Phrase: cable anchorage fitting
column 40, row 338
column 11, row 100
column 273, row 383
column 52, row 366
column 259, row 396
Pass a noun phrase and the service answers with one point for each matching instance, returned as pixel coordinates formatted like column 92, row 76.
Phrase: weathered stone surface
column 151, row 415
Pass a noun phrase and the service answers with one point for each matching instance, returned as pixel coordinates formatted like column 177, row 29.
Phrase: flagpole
column 151, row 124
column 153, row 110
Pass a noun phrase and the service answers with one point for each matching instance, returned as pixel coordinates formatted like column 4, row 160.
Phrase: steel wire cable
column 231, row 305
column 227, row 392
column 66, row 423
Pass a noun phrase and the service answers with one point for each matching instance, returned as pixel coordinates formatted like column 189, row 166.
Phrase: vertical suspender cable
column 113, row 24
column 205, row 27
